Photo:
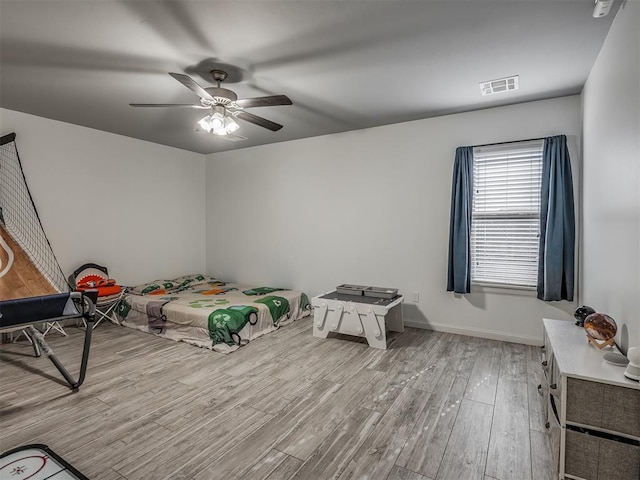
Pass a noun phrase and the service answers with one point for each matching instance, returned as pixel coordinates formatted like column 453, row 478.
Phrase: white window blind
column 505, row 223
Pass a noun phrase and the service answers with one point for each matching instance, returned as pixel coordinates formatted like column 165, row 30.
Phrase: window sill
column 504, row 290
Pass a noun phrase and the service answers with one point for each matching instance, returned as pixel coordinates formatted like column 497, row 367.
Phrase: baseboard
column 476, row 332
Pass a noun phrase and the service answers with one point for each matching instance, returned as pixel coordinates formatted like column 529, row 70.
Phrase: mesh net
column 20, row 219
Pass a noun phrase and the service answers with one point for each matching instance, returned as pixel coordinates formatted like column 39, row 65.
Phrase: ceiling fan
column 224, row 105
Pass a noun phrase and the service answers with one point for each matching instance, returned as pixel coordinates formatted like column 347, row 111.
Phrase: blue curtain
column 459, row 274
column 557, row 223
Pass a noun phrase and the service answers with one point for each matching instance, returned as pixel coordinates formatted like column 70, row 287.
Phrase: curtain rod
column 511, row 141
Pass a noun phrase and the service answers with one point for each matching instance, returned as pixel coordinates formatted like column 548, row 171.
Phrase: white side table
column 357, row 315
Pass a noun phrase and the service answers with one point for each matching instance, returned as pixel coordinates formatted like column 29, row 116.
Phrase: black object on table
column 344, row 297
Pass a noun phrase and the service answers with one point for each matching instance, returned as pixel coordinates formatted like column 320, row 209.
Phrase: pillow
column 192, row 280
column 162, row 287
column 157, row 287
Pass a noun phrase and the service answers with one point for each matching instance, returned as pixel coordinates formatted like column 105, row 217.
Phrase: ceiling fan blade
column 232, row 137
column 268, row 101
column 191, row 84
column 179, row 105
column 263, row 122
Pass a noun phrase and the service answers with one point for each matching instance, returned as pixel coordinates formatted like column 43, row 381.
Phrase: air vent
column 499, row 85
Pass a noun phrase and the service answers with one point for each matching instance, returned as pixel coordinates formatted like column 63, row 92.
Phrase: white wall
column 372, row 207
column 611, row 178
column 136, row 207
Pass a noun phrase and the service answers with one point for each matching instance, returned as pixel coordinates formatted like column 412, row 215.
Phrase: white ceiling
column 346, row 64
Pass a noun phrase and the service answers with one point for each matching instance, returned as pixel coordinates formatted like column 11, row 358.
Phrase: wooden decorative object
column 600, row 344
column 19, row 276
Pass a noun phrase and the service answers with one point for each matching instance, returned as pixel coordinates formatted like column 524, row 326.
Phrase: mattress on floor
column 210, row 313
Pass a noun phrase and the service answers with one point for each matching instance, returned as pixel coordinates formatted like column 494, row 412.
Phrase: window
column 505, row 220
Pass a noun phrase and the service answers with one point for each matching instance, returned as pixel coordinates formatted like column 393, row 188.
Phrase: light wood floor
column 287, row 406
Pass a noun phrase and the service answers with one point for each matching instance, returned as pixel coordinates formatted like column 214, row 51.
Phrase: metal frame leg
column 54, row 326
column 40, row 343
column 32, row 340
column 107, row 311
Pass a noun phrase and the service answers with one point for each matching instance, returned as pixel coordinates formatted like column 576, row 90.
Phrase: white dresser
column 593, row 410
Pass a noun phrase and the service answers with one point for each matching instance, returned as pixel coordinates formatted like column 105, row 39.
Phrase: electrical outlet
column 415, row 297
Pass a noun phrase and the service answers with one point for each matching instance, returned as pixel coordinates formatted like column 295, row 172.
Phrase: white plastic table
column 361, row 316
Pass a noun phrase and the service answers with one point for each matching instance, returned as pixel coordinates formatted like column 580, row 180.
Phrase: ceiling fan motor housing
column 222, row 96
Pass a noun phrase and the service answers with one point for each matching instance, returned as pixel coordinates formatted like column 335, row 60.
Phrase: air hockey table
column 36, row 462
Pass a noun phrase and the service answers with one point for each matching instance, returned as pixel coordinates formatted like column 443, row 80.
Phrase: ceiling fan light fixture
column 216, row 122
column 219, row 122
column 217, row 118
column 218, row 111
column 205, row 123
column 230, row 124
